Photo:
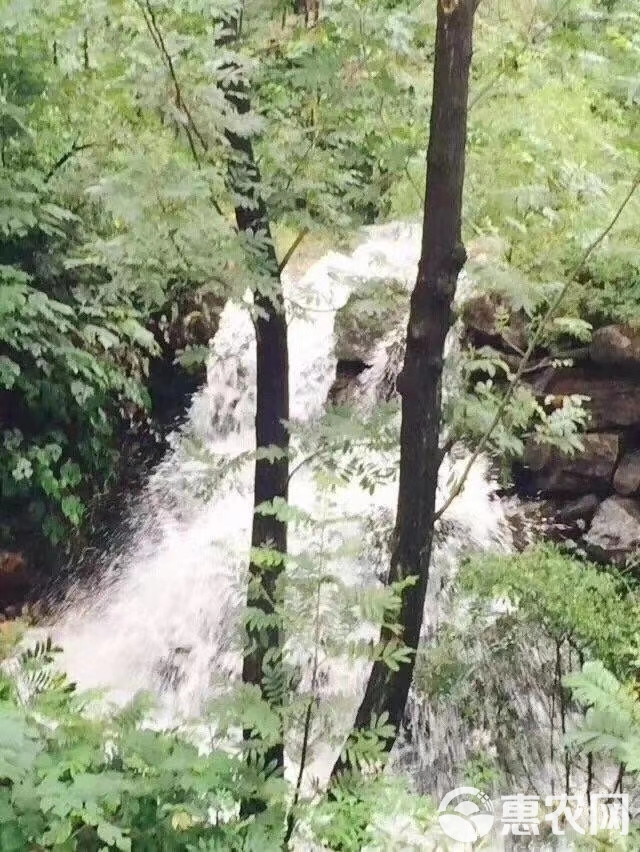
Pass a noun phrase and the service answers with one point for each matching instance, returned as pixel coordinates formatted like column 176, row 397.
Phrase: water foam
column 161, row 617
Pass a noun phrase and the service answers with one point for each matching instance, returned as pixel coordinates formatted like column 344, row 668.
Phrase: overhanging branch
column 59, row 163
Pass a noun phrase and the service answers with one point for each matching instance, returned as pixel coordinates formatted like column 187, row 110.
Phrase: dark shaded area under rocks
column 33, row 572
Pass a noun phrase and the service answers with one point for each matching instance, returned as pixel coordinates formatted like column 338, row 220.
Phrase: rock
column 616, row 345
column 553, row 472
column 614, row 400
column 191, row 321
column 615, row 532
column 184, row 327
column 487, row 250
column 11, row 562
column 366, row 319
column 490, row 321
column 626, row 480
column 582, row 509
column 366, row 329
column 343, row 390
column 15, row 579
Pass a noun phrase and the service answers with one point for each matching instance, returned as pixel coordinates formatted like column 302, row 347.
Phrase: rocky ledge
column 591, row 497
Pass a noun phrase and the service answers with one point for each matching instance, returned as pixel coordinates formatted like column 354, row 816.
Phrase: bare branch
column 306, row 735
column 291, row 250
column 59, row 163
column 156, row 34
column 190, row 128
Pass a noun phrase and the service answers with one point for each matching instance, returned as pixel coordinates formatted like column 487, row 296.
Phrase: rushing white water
column 162, row 616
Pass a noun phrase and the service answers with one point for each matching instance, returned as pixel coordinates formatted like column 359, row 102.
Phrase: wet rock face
column 490, row 321
column 592, row 470
column 614, row 534
column 613, row 396
column 627, row 477
column 591, row 499
column 371, row 314
column 616, row 345
column 16, row 582
column 190, row 323
column 580, row 510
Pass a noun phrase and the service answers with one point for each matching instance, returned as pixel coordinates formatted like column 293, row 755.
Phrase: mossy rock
column 371, row 311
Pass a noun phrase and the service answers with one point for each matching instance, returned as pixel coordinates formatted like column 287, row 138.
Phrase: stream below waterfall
column 162, row 612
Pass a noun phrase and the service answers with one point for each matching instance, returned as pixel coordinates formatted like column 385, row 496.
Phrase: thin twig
column 290, row 251
column 180, row 252
column 314, row 686
column 308, row 459
column 578, row 354
column 405, row 167
column 619, row 779
column 308, row 308
column 152, row 26
column 530, row 40
column 535, row 340
column 59, row 163
column 191, row 129
column 303, row 159
column 446, row 448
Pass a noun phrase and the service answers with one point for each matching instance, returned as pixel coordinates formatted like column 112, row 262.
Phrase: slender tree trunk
column 442, row 257
column 272, row 370
column 272, row 412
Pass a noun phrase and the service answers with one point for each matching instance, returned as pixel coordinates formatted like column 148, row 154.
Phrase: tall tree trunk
column 442, row 257
column 272, row 412
column 271, row 478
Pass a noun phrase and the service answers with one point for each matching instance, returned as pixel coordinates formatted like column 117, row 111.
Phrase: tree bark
column 271, row 478
column 419, row 384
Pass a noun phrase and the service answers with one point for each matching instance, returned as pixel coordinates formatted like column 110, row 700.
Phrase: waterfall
column 161, row 614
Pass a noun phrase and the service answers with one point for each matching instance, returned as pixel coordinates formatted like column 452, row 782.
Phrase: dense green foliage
column 521, row 629
column 73, row 354
column 117, row 217
column 75, row 778
column 612, row 723
column 117, row 204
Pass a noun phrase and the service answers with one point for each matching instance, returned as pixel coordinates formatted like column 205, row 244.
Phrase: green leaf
column 113, row 836
column 9, row 372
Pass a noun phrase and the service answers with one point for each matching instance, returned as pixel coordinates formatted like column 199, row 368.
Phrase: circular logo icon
column 465, row 814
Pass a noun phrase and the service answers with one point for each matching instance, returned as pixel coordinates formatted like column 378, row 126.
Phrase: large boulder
column 580, row 510
column 367, row 329
column 490, row 320
column 616, row 345
column 614, row 534
column 16, row 581
column 553, row 472
column 614, row 400
column 367, row 317
column 627, row 477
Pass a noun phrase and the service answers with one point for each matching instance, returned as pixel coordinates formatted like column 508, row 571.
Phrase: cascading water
column 161, row 617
